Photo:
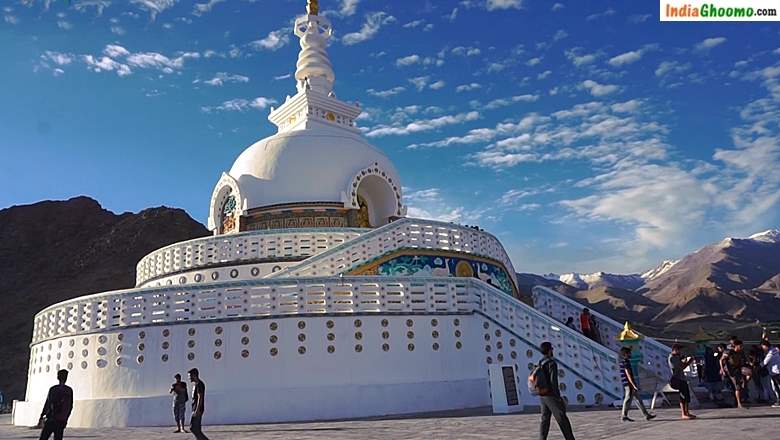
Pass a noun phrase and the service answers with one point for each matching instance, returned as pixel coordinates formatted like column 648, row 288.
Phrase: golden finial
column 312, row 7
column 628, row 334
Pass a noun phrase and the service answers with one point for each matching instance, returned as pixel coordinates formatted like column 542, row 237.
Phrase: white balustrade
column 595, row 362
column 406, row 233
column 241, row 248
column 558, row 306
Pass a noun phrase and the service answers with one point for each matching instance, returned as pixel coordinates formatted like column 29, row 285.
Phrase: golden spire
column 312, row 7
column 628, row 334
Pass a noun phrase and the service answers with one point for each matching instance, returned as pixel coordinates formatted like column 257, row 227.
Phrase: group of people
column 731, row 364
column 588, row 325
column 734, row 368
column 59, row 404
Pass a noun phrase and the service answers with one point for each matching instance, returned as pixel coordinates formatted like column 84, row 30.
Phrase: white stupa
column 315, row 299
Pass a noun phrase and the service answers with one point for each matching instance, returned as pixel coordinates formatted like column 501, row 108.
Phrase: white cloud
column 240, row 105
column 430, row 204
column 580, row 60
column 468, row 87
column 465, row 51
column 599, row 90
column 205, row 8
column 98, row 5
column 58, row 58
column 115, row 51
column 420, row 82
column 118, row 30
column 560, row 34
column 348, row 7
column 421, row 125
column 275, row 40
column 503, row 102
column 493, row 5
column 414, row 24
column 64, row 25
column 452, row 15
column 626, row 107
column 709, row 43
column 107, row 64
column 408, row 60
column 544, row 74
column 223, row 77
column 154, row 7
column 10, row 19
column 437, row 85
column 667, row 67
column 626, row 58
column 386, row 93
column 370, row 28
column 533, row 61
column 557, row 7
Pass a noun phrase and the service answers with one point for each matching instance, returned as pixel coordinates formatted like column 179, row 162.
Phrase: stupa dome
column 312, row 165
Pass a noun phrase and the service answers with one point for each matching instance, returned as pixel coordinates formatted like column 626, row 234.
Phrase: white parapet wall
column 300, row 349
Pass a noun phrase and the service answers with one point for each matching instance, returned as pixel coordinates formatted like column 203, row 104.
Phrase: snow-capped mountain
column 659, row 270
column 591, row 280
column 769, row 236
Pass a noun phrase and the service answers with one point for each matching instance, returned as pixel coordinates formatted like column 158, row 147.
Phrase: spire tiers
column 315, row 102
column 314, row 69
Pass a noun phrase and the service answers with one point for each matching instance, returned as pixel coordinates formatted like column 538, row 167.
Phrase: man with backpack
column 630, row 386
column 544, row 383
column 57, row 408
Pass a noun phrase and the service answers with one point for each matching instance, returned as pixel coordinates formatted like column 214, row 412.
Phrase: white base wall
column 350, row 382
column 296, row 368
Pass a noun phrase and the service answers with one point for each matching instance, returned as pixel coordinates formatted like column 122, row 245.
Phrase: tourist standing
column 712, row 378
column 198, row 404
column 772, row 363
column 678, row 364
column 551, row 402
column 630, row 386
column 733, row 366
column 570, row 323
column 585, row 323
column 56, row 410
column 180, row 398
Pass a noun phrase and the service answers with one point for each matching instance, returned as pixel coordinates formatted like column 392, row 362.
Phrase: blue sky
column 586, row 135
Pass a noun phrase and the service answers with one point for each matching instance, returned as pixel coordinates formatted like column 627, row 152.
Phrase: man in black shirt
column 551, row 403
column 198, row 404
column 56, row 410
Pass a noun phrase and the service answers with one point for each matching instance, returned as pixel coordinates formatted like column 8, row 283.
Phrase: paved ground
column 713, row 424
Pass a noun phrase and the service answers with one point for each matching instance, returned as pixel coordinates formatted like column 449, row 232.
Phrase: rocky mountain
column 734, row 281
column 57, row 250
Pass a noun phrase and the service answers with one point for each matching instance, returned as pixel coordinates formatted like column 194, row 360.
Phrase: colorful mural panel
column 445, row 266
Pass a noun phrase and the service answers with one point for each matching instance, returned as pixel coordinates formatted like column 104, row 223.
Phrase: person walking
column 56, row 410
column 180, row 398
column 550, row 401
column 733, row 368
column 772, row 363
column 678, row 364
column 630, row 386
column 198, row 404
column 585, row 323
